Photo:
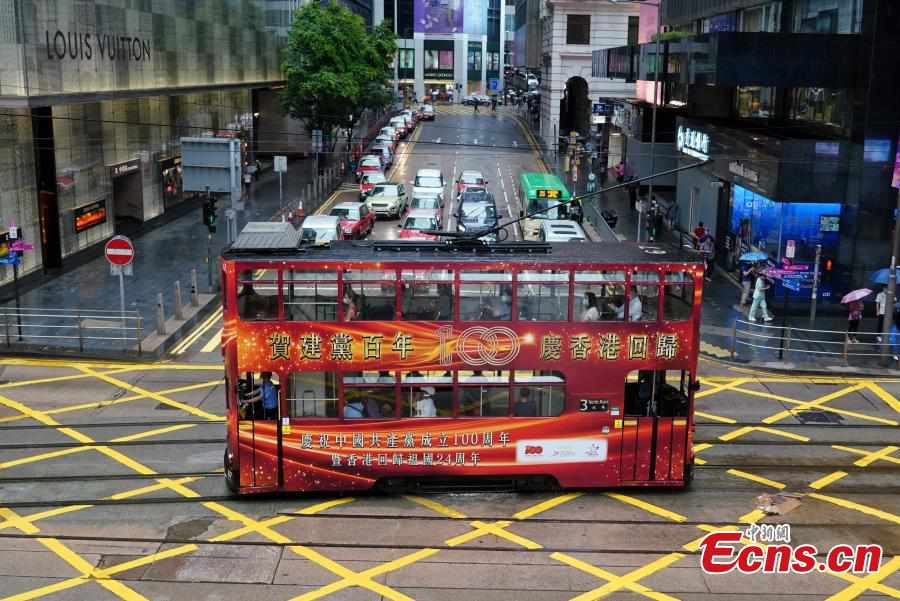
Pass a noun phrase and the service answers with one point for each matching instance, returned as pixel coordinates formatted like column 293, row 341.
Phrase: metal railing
column 98, row 329
column 784, row 340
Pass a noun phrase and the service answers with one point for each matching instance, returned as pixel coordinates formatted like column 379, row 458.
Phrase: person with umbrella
column 853, row 300
column 880, row 306
column 759, row 299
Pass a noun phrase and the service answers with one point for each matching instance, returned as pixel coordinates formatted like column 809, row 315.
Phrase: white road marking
column 476, row 141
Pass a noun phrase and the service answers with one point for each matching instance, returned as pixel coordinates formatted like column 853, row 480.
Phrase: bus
column 392, row 364
column 539, row 191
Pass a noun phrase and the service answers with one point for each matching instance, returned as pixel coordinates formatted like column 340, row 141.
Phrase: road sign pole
column 209, row 263
column 122, row 301
column 815, row 285
column 18, row 300
column 280, row 196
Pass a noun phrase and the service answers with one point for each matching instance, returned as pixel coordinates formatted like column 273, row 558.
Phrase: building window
column 754, row 102
column 821, row 105
column 578, row 29
column 493, row 61
column 407, row 58
column 633, row 28
column 761, row 18
column 474, row 60
column 827, row 16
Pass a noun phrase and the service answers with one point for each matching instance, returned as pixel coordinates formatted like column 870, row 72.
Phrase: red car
column 418, row 221
column 369, row 164
column 470, row 179
column 357, row 221
column 368, row 182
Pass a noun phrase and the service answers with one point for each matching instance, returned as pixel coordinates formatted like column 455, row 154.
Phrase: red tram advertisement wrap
column 386, row 363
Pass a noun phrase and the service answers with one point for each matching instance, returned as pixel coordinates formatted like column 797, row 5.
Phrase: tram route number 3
column 593, row 405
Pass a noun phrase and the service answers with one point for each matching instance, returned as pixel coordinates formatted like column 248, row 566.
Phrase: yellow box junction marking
column 197, row 332
column 615, row 583
column 826, row 480
column 648, row 507
column 755, row 478
column 875, row 455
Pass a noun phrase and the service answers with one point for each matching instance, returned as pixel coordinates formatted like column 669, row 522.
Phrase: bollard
column 160, row 316
column 733, row 339
column 195, row 297
column 179, row 313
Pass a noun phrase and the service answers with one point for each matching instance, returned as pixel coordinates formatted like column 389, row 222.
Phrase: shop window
column 258, row 394
column 370, row 296
column 543, row 295
column 312, row 394
column 538, row 394
column 678, row 302
column 821, row 105
column 428, row 295
column 578, row 29
column 310, row 295
column 485, row 296
column 657, row 393
column 755, row 102
column 257, row 297
column 369, row 395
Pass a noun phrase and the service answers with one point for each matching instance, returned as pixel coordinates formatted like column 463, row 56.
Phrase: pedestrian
column 880, row 306
column 854, row 315
column 708, row 252
column 494, row 103
column 475, row 104
column 576, row 213
column 759, row 299
column 747, row 273
column 699, row 233
column 620, row 172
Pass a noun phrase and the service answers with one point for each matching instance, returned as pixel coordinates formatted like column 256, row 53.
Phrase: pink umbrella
column 855, row 295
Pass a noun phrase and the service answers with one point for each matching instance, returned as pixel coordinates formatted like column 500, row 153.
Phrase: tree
column 335, row 69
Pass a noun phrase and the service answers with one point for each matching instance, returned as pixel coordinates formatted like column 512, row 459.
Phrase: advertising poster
column 475, row 21
column 438, row 16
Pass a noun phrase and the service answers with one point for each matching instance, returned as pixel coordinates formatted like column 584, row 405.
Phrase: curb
column 799, row 369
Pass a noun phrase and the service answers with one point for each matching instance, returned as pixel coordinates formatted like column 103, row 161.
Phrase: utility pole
column 657, row 98
column 891, row 292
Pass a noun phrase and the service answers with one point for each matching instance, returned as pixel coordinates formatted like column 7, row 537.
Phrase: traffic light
column 827, row 269
column 209, row 215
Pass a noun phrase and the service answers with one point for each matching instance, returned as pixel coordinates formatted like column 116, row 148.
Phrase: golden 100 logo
column 494, row 346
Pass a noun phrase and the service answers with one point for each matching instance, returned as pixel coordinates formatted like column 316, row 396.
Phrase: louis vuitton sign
column 79, row 45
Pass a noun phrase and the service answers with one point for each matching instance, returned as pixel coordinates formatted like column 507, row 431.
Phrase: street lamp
column 656, row 98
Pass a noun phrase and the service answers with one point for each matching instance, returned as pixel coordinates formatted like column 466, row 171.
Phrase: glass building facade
column 107, row 89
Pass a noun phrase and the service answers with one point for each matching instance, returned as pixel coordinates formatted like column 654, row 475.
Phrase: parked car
column 470, row 178
column 429, row 181
column 390, row 131
column 321, row 229
column 387, row 141
column 425, row 201
column 417, row 222
column 411, row 115
column 427, row 112
column 357, row 221
column 368, row 182
column 399, row 123
column 370, row 163
column 561, row 230
column 387, row 199
column 387, row 155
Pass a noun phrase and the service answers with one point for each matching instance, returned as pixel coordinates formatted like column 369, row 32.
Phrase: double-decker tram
column 382, row 363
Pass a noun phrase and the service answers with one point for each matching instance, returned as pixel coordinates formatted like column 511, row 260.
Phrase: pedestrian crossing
column 461, row 109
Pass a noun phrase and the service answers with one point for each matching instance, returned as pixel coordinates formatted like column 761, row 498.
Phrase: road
column 111, row 484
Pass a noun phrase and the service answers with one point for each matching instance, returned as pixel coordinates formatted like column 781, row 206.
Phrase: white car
column 321, row 229
column 387, row 199
column 429, row 182
column 561, row 230
column 399, row 123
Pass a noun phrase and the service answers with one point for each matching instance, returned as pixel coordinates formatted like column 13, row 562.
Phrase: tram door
column 258, row 413
column 654, row 427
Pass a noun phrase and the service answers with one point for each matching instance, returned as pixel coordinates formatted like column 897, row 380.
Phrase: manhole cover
column 819, row 417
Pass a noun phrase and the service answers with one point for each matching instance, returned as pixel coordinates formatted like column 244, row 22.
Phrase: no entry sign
column 119, row 251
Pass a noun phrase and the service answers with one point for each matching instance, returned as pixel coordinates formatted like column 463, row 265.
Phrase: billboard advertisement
column 438, row 16
column 475, row 17
column 895, row 181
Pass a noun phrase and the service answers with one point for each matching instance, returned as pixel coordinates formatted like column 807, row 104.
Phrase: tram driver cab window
column 258, row 394
column 257, row 297
column 660, row 393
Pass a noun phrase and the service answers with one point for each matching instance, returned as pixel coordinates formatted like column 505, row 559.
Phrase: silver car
column 387, row 200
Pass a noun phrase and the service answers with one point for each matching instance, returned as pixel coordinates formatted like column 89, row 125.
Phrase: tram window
column 645, row 285
column 426, row 377
column 310, row 296
column 484, row 401
column 372, row 302
column 605, row 298
column 257, row 297
column 543, row 296
column 536, row 376
column 657, row 393
column 678, row 301
column 485, row 301
column 313, row 394
column 368, row 402
column 600, row 276
column 431, row 301
column 479, row 376
column 538, row 393
column 258, row 394
column 426, row 401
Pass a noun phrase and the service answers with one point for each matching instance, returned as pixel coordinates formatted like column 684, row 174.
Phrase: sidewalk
column 722, row 295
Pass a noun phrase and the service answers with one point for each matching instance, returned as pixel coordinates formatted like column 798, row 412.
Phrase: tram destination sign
column 547, row 193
